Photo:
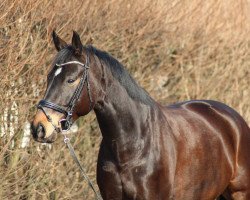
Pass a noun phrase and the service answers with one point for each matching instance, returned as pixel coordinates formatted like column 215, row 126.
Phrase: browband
column 73, row 62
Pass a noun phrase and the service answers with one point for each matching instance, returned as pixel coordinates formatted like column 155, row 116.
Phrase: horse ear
column 76, row 43
column 58, row 42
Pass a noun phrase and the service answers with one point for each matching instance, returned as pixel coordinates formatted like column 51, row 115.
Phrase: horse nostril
column 33, row 130
column 40, row 131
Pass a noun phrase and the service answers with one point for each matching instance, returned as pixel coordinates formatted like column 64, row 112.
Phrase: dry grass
column 176, row 49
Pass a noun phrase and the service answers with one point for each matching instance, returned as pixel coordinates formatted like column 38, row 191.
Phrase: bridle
column 65, row 124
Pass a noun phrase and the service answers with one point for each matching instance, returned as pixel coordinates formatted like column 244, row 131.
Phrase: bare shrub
column 177, row 50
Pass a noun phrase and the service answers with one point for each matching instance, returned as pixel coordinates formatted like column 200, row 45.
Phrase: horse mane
column 118, row 71
column 124, row 78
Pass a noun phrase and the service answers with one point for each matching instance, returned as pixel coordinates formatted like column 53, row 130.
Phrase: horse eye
column 71, row 81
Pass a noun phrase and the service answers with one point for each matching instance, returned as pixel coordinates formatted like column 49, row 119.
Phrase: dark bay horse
column 194, row 150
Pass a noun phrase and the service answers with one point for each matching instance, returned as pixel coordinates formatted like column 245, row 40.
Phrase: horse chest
column 129, row 186
column 138, row 182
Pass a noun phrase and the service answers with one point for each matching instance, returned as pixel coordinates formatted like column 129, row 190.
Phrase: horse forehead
column 58, row 71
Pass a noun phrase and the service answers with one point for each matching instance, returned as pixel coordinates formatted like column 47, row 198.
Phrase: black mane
column 117, row 69
column 122, row 75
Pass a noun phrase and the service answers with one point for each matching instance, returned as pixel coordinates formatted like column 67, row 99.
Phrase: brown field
column 177, row 50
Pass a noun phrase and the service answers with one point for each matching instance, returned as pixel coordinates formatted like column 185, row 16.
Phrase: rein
column 65, row 124
column 72, row 153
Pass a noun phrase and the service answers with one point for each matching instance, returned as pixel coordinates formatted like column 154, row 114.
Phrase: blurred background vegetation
column 177, row 50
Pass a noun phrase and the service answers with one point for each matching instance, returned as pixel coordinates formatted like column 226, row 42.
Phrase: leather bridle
column 65, row 124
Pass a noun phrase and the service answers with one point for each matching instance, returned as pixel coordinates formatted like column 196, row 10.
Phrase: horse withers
column 194, row 150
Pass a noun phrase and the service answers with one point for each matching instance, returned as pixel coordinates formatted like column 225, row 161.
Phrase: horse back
column 209, row 137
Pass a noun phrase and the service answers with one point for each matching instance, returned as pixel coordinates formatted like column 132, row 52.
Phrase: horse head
column 68, row 94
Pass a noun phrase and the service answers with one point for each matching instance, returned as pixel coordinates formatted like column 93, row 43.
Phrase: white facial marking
column 58, row 71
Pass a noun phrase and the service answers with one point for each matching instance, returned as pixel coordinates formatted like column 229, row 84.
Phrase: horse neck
column 124, row 120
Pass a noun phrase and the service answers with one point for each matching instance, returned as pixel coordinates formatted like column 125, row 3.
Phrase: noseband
column 65, row 124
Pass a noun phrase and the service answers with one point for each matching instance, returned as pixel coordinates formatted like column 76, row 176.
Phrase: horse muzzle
column 39, row 134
